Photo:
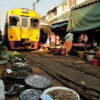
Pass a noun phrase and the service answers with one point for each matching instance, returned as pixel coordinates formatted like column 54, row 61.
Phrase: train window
column 13, row 21
column 24, row 22
column 34, row 23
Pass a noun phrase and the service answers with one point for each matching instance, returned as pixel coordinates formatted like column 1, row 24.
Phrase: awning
column 41, row 23
column 60, row 24
column 45, row 28
column 85, row 16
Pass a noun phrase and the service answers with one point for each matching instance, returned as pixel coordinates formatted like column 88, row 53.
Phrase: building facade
column 61, row 12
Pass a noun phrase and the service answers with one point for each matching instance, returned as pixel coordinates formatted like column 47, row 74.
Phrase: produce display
column 14, row 54
column 21, row 70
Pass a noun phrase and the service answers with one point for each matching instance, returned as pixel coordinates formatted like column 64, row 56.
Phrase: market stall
column 85, row 20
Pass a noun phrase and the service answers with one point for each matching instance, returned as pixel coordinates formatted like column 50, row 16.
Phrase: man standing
column 68, row 42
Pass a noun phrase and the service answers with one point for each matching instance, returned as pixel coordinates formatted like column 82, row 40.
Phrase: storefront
column 60, row 29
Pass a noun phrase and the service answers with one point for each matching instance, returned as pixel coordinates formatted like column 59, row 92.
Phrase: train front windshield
column 13, row 21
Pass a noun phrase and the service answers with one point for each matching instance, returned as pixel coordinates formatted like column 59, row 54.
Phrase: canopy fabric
column 60, row 24
column 85, row 18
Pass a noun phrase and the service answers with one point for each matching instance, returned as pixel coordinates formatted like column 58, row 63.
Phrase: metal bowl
column 30, row 94
column 38, row 81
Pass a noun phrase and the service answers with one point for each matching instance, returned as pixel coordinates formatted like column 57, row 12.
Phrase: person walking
column 68, row 42
column 53, row 40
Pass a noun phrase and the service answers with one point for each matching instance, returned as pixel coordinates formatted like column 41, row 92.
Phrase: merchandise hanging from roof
column 85, row 16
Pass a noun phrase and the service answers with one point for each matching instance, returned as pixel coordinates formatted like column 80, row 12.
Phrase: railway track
column 52, row 66
column 62, row 60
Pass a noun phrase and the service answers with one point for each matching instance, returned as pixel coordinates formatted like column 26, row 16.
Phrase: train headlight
column 11, row 37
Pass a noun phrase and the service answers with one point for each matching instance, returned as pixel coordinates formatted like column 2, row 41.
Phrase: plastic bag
column 2, row 93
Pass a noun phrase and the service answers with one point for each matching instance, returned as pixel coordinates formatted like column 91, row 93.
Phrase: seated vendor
column 83, row 38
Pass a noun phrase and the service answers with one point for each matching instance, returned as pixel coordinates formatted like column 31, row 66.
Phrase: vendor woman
column 68, row 42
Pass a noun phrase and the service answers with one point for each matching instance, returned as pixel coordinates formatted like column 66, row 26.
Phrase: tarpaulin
column 85, row 17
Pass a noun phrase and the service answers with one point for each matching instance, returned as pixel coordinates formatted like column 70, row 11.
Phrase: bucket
column 90, row 57
column 94, row 62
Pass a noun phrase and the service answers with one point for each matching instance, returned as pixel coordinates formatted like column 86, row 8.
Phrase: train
column 22, row 29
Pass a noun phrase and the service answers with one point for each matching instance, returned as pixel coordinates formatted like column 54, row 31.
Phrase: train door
column 25, row 42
